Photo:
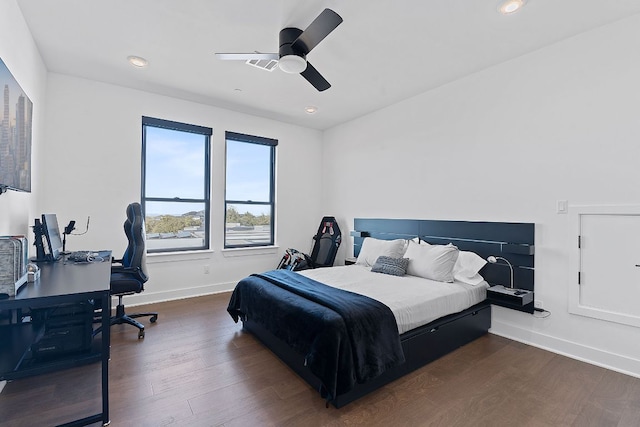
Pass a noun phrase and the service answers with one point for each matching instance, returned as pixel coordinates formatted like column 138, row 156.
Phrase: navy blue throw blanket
column 346, row 338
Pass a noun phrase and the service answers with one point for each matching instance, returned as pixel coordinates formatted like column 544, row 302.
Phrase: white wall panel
column 608, row 262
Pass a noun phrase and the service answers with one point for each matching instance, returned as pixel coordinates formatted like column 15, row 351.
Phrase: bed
column 347, row 330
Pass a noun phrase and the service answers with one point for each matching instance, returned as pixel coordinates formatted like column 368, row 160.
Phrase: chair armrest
column 129, row 270
column 123, row 269
column 136, row 271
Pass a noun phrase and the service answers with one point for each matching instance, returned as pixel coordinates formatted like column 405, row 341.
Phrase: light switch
column 563, row 206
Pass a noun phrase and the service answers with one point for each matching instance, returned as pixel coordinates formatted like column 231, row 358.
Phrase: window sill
column 258, row 250
column 159, row 257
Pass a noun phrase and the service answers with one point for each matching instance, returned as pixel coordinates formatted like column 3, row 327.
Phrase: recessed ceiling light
column 137, row 61
column 310, row 109
column 511, row 6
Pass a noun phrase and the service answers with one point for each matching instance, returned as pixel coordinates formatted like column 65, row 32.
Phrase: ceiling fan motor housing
column 287, row 37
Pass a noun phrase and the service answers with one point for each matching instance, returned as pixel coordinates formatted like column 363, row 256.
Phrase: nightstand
column 518, row 299
column 349, row 261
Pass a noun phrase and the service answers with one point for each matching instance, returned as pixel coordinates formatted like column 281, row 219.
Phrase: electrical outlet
column 537, row 304
column 206, row 269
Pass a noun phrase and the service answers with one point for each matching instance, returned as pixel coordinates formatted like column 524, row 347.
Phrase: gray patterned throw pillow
column 393, row 266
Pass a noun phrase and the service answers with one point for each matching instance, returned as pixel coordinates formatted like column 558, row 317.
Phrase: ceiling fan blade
column 320, row 28
column 315, row 78
column 247, row 56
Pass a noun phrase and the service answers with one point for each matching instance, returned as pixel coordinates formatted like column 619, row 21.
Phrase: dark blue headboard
column 511, row 240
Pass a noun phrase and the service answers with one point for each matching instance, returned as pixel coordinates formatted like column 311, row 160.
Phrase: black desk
column 61, row 282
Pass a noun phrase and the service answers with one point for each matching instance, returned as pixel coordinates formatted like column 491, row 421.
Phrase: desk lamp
column 494, row 259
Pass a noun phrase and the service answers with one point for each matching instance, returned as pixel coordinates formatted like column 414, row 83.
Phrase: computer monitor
column 52, row 235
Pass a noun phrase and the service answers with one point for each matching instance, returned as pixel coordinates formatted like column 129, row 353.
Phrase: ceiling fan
column 295, row 45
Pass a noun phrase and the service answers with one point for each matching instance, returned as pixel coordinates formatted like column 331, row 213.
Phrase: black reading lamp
column 67, row 230
column 494, row 259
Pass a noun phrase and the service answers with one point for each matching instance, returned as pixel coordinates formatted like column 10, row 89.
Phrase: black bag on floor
column 294, row 260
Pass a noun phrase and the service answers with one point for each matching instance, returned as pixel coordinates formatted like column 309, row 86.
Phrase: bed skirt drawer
column 445, row 335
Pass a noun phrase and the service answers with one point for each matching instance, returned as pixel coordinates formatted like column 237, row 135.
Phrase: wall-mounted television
column 16, row 118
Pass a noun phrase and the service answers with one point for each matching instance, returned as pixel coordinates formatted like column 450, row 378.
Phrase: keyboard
column 82, row 256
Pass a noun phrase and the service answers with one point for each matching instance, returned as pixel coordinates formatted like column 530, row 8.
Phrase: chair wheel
column 153, row 319
column 141, row 334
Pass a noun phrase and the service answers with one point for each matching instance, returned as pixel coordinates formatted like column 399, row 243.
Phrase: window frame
column 181, row 127
column 251, row 139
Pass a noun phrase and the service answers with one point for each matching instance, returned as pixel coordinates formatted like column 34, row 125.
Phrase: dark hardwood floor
column 196, row 367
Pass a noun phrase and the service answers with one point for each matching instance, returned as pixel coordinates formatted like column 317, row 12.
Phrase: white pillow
column 467, row 267
column 433, row 262
column 372, row 249
column 419, row 241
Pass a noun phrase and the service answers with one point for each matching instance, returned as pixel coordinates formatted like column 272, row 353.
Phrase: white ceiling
column 382, row 53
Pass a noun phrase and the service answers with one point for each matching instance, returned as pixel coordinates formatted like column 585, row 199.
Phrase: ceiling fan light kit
column 292, row 64
column 294, row 47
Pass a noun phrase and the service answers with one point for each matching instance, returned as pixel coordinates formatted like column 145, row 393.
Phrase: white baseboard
column 2, row 384
column 604, row 359
column 148, row 297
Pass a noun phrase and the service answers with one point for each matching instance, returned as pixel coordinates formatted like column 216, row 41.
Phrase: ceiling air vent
column 263, row 64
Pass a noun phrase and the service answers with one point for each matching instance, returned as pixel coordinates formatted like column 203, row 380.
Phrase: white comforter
column 414, row 301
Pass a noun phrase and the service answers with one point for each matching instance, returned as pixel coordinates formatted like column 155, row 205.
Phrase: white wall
column 92, row 168
column 505, row 144
column 20, row 55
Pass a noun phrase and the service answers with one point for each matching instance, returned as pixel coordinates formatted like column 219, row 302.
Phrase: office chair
column 128, row 274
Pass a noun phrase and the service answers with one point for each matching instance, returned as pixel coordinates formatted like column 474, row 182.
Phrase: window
column 250, row 188
column 175, row 185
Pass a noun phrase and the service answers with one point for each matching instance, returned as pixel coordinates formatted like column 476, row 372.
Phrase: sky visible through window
column 249, row 175
column 174, row 166
column 173, row 169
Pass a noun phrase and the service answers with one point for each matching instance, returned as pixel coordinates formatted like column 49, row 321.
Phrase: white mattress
column 414, row 301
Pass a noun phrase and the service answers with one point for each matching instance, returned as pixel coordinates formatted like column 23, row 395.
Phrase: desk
column 61, row 282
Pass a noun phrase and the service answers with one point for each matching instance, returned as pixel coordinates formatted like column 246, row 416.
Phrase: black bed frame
column 513, row 241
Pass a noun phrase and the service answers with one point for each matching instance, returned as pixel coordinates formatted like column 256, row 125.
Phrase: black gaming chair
column 327, row 241
column 129, row 274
